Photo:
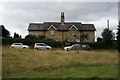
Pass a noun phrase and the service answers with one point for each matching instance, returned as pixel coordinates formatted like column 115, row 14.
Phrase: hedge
column 31, row 42
column 96, row 45
column 57, row 44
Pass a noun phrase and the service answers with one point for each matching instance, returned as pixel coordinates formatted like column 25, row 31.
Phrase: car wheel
column 24, row 47
column 67, row 49
column 37, row 48
column 47, row 48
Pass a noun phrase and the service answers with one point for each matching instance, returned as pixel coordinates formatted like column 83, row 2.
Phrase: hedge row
column 98, row 45
column 57, row 44
column 31, row 42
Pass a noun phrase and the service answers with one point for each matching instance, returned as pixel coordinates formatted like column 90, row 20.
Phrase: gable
column 52, row 27
column 73, row 26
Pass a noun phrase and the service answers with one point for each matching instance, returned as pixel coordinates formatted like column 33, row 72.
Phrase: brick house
column 64, row 31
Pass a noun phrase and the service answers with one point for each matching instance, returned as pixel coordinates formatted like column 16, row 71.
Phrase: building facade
column 64, row 31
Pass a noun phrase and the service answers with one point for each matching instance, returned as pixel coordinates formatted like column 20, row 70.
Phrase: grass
column 72, row 72
column 31, row 63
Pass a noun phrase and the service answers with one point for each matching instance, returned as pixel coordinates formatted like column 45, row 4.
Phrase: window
column 83, row 46
column 73, row 32
column 41, row 44
column 87, row 37
column 56, row 39
column 17, row 44
column 36, row 33
column 52, row 32
column 70, row 40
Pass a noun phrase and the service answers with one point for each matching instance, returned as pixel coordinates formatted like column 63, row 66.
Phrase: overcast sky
column 16, row 16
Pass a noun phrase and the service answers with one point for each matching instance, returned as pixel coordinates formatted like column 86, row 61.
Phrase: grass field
column 30, row 63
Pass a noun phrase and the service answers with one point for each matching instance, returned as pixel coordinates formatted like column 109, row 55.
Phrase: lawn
column 30, row 63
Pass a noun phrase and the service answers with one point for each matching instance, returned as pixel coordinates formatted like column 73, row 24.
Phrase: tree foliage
column 16, row 35
column 41, row 37
column 5, row 32
column 108, row 36
column 31, row 37
column 35, row 37
column 118, row 37
column 99, row 39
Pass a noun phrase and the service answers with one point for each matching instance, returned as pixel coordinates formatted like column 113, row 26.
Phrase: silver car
column 41, row 46
column 19, row 45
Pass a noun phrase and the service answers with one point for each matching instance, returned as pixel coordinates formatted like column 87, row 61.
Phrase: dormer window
column 73, row 32
column 52, row 32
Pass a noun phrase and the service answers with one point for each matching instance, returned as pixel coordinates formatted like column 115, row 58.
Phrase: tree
column 16, row 35
column 5, row 32
column 99, row 39
column 108, row 36
column 118, row 37
column 41, row 37
column 31, row 37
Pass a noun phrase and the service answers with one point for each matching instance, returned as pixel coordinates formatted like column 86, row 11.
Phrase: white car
column 41, row 46
column 19, row 45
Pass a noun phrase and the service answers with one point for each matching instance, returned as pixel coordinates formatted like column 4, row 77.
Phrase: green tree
column 31, row 37
column 108, row 36
column 5, row 32
column 118, row 37
column 41, row 36
column 99, row 39
column 16, row 35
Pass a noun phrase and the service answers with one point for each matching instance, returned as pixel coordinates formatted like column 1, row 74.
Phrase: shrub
column 31, row 37
column 31, row 42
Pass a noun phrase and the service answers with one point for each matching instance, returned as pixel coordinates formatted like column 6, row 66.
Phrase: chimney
column 108, row 24
column 62, row 18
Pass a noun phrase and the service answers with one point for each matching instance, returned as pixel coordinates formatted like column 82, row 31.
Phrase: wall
column 66, row 35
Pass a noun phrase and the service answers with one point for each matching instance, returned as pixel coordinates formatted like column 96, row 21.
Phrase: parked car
column 19, row 45
column 41, row 46
column 78, row 47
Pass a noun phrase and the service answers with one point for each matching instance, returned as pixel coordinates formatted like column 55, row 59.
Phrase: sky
column 16, row 16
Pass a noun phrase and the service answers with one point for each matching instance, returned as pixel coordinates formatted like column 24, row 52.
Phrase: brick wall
column 66, row 34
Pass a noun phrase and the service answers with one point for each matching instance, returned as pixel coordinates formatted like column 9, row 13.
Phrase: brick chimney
column 62, row 18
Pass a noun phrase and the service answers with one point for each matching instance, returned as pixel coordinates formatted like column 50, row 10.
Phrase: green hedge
column 57, row 44
column 31, row 42
column 96, row 45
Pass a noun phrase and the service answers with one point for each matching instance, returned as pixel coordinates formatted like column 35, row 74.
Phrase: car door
column 18, row 45
column 42, row 46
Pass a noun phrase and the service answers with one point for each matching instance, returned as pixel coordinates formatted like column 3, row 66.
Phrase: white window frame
column 73, row 32
column 52, row 32
column 70, row 39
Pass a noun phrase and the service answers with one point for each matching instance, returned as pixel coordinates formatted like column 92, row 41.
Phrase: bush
column 57, row 44
column 96, row 45
column 31, row 37
column 31, row 42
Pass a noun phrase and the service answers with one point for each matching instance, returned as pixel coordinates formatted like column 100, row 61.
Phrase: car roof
column 17, row 43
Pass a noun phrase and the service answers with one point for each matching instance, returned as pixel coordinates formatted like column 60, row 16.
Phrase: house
column 64, row 31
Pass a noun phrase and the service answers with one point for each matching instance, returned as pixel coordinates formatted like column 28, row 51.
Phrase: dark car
column 78, row 47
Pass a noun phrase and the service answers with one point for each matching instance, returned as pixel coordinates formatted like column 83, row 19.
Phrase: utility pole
column 108, row 24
